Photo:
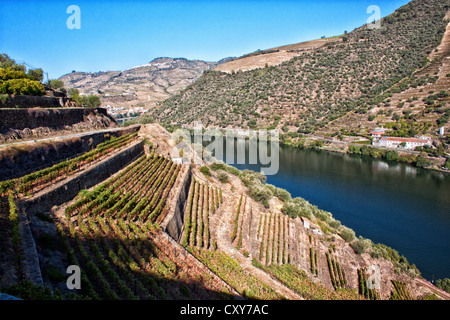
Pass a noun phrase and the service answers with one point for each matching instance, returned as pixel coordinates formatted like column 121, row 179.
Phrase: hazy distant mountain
column 144, row 85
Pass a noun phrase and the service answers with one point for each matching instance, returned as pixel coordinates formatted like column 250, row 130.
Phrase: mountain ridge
column 143, row 85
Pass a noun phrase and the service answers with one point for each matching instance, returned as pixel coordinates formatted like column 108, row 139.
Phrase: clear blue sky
column 116, row 35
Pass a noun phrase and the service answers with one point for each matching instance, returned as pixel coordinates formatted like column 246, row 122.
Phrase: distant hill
column 355, row 72
column 270, row 57
column 141, row 85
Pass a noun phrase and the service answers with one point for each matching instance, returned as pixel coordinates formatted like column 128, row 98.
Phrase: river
column 401, row 206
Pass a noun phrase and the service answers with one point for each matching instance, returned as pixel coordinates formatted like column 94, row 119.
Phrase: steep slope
column 349, row 73
column 411, row 98
column 228, row 245
column 270, row 57
column 141, row 85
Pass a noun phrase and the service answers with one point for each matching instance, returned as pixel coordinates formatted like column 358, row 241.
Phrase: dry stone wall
column 68, row 189
column 23, row 101
column 62, row 193
column 17, row 161
column 174, row 222
column 20, row 119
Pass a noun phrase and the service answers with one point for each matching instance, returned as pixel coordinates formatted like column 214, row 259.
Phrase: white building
column 409, row 143
column 441, row 131
column 177, row 160
column 306, row 222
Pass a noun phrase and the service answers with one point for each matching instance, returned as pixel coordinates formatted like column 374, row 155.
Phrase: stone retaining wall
column 20, row 119
column 173, row 224
column 24, row 101
column 67, row 190
column 62, row 193
column 19, row 160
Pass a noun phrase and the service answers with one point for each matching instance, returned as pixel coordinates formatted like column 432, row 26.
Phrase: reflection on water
column 380, row 166
column 410, row 172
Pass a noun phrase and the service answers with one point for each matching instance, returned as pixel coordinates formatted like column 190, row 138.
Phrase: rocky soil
column 143, row 85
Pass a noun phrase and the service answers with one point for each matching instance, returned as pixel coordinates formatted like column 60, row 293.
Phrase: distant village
column 122, row 114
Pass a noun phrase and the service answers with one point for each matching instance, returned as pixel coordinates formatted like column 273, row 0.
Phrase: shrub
column 321, row 214
column 347, row 234
column 396, row 116
column 74, row 92
column 251, row 123
column 56, row 84
column 217, row 166
column 334, row 223
column 442, row 94
column 317, row 144
column 22, row 87
column 443, row 284
column 9, row 74
column 249, row 177
column 36, row 74
column 447, row 164
column 283, row 194
column 422, row 161
column 291, row 209
column 90, row 101
column 3, row 98
column 222, row 176
column 260, row 193
column 392, row 155
column 361, row 245
column 205, row 170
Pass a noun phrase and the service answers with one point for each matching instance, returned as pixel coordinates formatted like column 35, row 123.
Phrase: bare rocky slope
column 144, row 85
column 270, row 57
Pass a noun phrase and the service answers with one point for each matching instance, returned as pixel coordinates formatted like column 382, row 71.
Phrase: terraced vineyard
column 10, row 245
column 241, row 224
column 400, row 291
column 120, row 233
column 313, row 260
column 203, row 200
column 232, row 273
column 127, row 260
column 36, row 181
column 112, row 233
column 364, row 289
column 127, row 197
column 273, row 237
column 337, row 273
column 202, row 203
column 301, row 283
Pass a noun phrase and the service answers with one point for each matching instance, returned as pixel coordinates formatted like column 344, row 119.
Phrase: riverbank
column 390, row 202
column 414, row 158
